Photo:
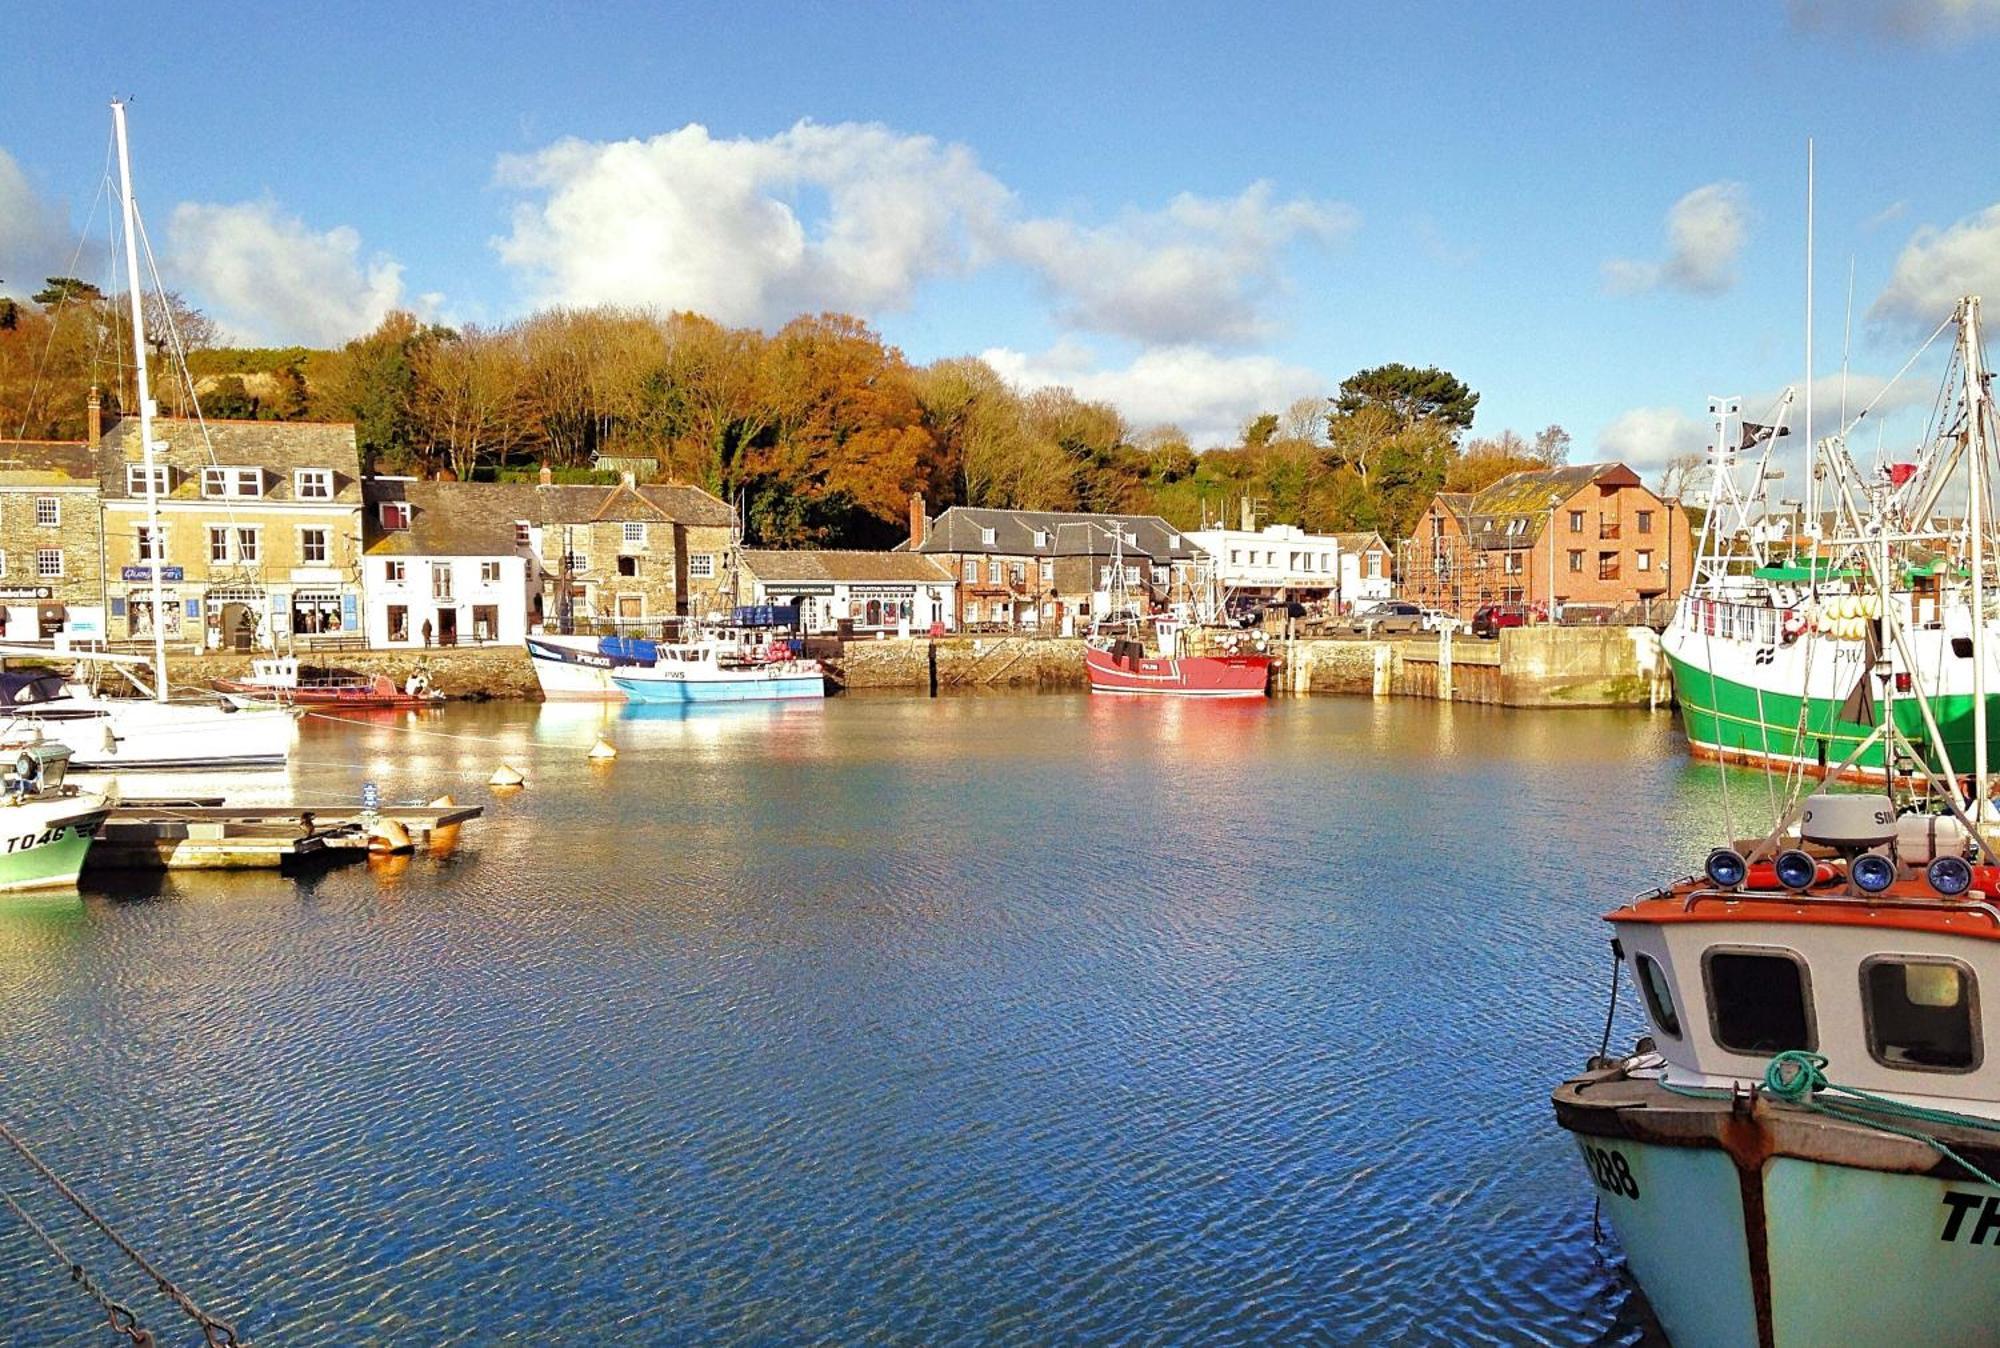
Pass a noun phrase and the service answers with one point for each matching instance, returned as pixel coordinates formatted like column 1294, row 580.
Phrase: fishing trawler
column 46, row 825
column 1195, row 658
column 1813, row 1102
column 715, row 671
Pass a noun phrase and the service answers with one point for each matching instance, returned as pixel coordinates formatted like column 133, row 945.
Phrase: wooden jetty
column 206, row 834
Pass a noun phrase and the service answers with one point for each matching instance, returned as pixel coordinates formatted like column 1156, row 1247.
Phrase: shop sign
column 145, row 572
column 26, row 592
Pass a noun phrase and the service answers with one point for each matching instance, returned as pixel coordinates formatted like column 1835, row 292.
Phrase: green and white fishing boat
column 46, row 825
column 1805, row 1149
column 1780, row 629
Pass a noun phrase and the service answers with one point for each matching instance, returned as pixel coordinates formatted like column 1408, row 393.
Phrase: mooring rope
column 123, row 1322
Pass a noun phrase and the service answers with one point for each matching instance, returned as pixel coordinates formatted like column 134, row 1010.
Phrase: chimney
column 95, row 408
column 1249, row 515
column 918, row 523
column 547, row 476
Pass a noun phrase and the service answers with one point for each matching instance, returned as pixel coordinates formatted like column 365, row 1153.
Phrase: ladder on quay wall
column 986, row 669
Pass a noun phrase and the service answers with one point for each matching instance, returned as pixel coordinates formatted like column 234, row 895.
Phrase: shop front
column 311, row 613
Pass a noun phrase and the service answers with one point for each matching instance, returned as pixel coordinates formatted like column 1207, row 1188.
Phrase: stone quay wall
column 462, row 673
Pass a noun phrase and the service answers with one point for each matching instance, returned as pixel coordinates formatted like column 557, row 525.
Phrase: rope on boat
column 1798, row 1077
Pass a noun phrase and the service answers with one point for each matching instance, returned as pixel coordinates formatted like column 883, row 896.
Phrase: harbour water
column 996, row 1019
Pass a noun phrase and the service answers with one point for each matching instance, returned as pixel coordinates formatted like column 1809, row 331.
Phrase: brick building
column 1585, row 534
column 51, row 540
column 1050, row 570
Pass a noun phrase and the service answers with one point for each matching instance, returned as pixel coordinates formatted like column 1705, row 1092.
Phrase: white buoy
column 603, row 751
column 506, row 776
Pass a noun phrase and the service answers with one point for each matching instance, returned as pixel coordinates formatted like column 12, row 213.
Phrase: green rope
column 1799, row 1078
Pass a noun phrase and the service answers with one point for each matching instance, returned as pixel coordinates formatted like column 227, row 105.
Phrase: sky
column 1592, row 213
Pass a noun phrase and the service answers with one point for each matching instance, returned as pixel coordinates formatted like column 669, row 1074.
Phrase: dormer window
column 135, row 479
column 1041, row 538
column 521, row 537
column 395, row 514
column 313, row 484
column 1173, row 542
column 226, row 482
column 986, row 537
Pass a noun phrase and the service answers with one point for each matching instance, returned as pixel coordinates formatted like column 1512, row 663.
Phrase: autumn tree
column 374, row 386
column 466, row 398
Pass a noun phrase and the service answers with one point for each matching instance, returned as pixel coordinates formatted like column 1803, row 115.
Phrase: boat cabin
column 1888, row 975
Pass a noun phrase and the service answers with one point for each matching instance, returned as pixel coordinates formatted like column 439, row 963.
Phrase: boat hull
column 677, row 689
column 575, row 669
column 113, row 734
column 1186, row 676
column 44, row 843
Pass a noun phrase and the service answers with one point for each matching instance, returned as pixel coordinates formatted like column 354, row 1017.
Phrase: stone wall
column 961, row 662
column 1527, row 667
column 472, row 673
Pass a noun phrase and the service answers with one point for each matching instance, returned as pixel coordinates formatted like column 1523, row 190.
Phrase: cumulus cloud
column 1706, row 230
column 1937, row 267
column 858, row 217
column 1208, row 395
column 35, row 236
column 269, row 278
column 1900, row 20
column 1645, row 438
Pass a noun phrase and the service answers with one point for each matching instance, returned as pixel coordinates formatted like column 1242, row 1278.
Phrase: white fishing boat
column 579, row 668
column 46, row 825
column 1805, row 1149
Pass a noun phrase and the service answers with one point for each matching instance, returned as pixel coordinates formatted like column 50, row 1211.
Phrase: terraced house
column 629, row 556
column 259, row 536
column 51, row 541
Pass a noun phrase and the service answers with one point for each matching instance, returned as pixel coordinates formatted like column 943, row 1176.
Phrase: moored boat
column 46, row 825
column 1122, row 666
column 131, row 733
column 579, row 668
column 282, row 681
column 706, row 671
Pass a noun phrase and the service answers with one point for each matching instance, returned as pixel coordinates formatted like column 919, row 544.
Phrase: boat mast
column 1812, row 450
column 1975, row 446
column 145, row 404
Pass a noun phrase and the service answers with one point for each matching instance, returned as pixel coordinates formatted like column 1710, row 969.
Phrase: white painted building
column 869, row 592
column 1367, row 570
column 445, row 564
column 1279, row 561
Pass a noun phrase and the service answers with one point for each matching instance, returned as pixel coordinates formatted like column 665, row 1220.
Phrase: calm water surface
column 1002, row 1019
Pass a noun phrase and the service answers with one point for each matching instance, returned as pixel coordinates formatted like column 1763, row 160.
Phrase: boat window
column 1757, row 1001
column 1920, row 1014
column 1659, row 996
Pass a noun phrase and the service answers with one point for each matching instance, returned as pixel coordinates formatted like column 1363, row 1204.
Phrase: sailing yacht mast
column 145, row 404
column 1975, row 447
column 1812, row 450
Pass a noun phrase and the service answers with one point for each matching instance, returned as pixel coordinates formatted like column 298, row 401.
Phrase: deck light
column 1795, row 870
column 1726, row 868
column 1950, row 876
column 1871, row 872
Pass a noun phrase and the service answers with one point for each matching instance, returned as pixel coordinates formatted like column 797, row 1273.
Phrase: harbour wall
column 473, row 673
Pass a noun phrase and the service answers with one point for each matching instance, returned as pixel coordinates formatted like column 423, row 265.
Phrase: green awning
column 1798, row 573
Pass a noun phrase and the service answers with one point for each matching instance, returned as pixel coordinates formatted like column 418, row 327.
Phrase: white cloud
column 269, row 278
column 858, row 217
column 1646, row 437
column 1706, row 230
column 1937, row 267
column 1903, row 20
column 1209, row 396
column 35, row 238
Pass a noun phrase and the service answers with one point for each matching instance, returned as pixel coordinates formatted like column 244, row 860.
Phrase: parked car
column 1391, row 617
column 1490, row 618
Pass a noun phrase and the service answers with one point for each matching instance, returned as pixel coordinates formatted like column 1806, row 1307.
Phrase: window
column 634, row 533
column 395, row 573
column 1757, row 1001
column 1131, row 575
column 1576, row 521
column 1017, row 574
column 313, row 484
column 993, row 572
column 522, row 537
column 1659, row 996
column 441, row 581
column 701, row 565
column 628, row 565
column 1645, row 521
column 986, row 537
column 1645, row 559
column 218, row 543
column 247, row 549
column 1041, row 538
column 49, row 563
column 1920, row 1014
column 579, row 562
column 135, row 479
column 48, row 510
column 489, row 573
column 151, row 548
column 313, row 549
column 485, row 622
column 1048, row 571
column 395, row 514
column 1235, row 557
column 219, row 482
column 215, row 482
column 971, row 570
column 1607, row 566
column 1576, row 559
column 1511, row 564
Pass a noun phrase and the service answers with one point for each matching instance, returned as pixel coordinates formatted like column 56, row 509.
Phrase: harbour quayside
column 1772, row 643
column 1813, row 1102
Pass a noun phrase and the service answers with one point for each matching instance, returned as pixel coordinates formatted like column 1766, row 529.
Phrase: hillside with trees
column 821, row 429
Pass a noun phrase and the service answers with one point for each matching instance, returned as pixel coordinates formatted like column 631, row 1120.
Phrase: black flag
column 1752, row 433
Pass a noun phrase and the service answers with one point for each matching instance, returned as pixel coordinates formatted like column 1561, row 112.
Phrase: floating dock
column 172, row 835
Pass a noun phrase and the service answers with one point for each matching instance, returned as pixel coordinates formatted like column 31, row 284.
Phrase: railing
column 1607, row 528
column 1607, row 571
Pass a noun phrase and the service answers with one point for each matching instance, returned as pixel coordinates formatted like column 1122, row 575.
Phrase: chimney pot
column 95, row 408
column 547, row 476
column 919, row 524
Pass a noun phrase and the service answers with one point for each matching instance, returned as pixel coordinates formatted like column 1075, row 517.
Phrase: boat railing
column 1869, row 901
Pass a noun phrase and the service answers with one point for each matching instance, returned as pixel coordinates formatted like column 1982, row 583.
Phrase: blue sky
column 1591, row 212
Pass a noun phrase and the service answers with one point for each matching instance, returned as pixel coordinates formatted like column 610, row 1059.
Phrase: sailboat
column 151, row 731
column 1813, row 1102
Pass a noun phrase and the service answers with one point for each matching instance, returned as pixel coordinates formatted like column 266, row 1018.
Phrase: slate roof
column 277, row 447
column 676, row 502
column 1070, row 534
column 1511, row 512
column 47, row 463
column 1361, row 542
column 447, row 519
column 776, row 567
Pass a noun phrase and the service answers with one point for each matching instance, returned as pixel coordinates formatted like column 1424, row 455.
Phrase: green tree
column 375, row 388
column 1412, row 395
column 66, row 289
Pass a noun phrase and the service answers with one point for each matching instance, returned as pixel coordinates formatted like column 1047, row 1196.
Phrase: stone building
column 1584, row 534
column 633, row 555
column 51, row 541
column 259, row 542
column 1051, row 571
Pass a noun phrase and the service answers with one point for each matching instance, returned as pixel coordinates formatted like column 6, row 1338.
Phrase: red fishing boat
column 282, row 681
column 1122, row 666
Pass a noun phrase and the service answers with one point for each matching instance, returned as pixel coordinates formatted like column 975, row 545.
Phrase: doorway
column 239, row 626
column 447, row 627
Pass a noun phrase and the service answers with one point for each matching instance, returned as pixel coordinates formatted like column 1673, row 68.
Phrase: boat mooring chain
column 123, row 1322
column 216, row 1333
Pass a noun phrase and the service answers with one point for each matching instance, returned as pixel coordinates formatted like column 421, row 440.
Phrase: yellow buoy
column 445, row 836
column 506, row 776
column 603, row 751
column 390, row 835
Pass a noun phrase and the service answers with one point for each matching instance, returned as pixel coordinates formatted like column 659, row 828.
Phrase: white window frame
column 1645, row 559
column 252, row 535
column 53, row 507
column 322, row 478
column 394, row 515
column 218, row 542
column 986, row 537
column 151, row 547
column 701, row 566
column 489, row 573
column 42, row 568
column 395, row 573
column 632, row 534
column 306, row 531
column 135, row 479
column 1041, row 538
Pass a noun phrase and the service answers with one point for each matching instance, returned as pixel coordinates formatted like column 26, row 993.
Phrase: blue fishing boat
column 707, row 671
